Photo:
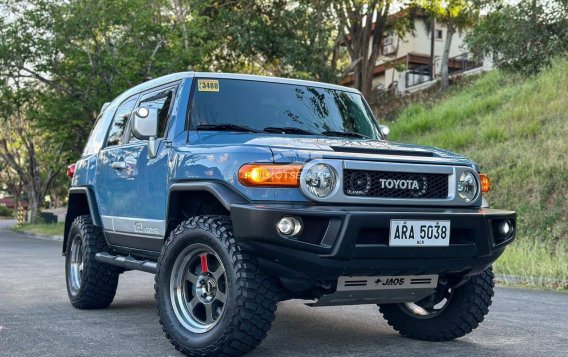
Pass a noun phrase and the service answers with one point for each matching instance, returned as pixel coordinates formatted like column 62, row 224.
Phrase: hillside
column 517, row 130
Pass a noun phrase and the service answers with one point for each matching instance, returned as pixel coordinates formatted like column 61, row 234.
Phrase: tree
column 84, row 53
column 525, row 37
column 457, row 15
column 277, row 37
column 363, row 27
column 24, row 150
column 87, row 52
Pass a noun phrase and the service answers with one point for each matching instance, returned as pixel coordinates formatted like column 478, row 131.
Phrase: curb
column 40, row 236
column 531, row 280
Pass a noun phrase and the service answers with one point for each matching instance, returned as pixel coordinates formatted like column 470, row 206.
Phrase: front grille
column 402, row 185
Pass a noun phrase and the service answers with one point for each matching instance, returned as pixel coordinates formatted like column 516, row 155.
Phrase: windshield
column 224, row 104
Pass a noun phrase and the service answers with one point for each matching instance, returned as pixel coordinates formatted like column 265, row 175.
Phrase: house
column 8, row 202
column 406, row 62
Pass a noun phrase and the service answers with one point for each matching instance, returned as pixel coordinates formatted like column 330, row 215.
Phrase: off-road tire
column 466, row 309
column 98, row 280
column 253, row 295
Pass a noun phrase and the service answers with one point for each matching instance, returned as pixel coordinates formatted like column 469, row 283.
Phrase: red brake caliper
column 204, row 267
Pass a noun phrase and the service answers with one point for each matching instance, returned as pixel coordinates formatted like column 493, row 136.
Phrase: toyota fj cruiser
column 240, row 191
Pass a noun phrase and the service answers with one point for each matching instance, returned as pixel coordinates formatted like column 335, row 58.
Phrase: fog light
column 506, row 228
column 289, row 226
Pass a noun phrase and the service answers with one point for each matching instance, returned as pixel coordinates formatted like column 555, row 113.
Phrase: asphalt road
column 37, row 319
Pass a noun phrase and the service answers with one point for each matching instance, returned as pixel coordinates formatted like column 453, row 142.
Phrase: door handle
column 118, row 165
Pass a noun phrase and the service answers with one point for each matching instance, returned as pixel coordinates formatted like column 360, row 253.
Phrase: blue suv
column 241, row 191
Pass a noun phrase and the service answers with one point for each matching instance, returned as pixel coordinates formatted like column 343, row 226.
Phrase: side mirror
column 145, row 127
column 145, row 124
column 385, row 130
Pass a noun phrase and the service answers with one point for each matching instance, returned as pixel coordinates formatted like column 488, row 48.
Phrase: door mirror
column 145, row 124
column 385, row 130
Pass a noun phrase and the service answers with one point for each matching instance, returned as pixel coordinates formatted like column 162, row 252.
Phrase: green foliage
column 84, row 53
column 6, row 212
column 523, row 37
column 459, row 14
column 43, row 229
column 274, row 37
column 516, row 129
column 70, row 57
column 535, row 263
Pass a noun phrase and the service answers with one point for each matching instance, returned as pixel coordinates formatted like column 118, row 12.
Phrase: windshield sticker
column 207, row 85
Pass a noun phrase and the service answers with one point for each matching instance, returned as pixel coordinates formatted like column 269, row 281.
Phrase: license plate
column 419, row 233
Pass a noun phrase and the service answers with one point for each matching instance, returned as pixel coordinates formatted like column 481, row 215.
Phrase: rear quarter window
column 98, row 135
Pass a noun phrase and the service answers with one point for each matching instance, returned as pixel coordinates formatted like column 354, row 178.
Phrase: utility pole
column 432, row 44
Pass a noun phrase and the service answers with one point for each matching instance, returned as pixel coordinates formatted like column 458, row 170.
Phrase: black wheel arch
column 197, row 198
column 81, row 201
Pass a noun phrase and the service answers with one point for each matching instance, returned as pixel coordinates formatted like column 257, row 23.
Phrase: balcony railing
column 418, row 75
column 464, row 62
column 459, row 64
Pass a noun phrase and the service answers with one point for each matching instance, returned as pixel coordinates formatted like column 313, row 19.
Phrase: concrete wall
column 422, row 40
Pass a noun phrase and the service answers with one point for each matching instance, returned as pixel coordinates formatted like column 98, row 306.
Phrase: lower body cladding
column 353, row 290
column 338, row 244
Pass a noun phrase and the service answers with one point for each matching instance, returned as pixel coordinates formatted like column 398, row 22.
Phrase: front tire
column 450, row 314
column 90, row 283
column 211, row 296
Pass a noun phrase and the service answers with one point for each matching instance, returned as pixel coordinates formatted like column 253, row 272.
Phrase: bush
column 523, row 37
column 6, row 212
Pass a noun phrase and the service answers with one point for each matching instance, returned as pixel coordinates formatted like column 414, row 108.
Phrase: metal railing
column 418, row 75
column 456, row 65
column 464, row 62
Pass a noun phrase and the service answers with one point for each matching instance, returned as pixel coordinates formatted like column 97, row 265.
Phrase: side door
column 133, row 185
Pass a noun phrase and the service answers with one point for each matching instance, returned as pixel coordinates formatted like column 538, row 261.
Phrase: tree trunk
column 34, row 203
column 445, row 80
column 366, row 85
column 180, row 18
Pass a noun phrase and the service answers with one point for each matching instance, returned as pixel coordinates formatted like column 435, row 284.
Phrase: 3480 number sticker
column 207, row 85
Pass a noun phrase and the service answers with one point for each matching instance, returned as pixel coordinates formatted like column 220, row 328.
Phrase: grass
column 44, row 229
column 532, row 263
column 517, row 130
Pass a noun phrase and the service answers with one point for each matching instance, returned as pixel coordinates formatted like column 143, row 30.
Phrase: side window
column 98, row 134
column 116, row 132
column 162, row 101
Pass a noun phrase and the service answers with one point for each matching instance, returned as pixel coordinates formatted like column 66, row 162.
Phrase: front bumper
column 350, row 240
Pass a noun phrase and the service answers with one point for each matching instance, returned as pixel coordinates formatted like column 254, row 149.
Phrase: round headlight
column 467, row 186
column 320, row 180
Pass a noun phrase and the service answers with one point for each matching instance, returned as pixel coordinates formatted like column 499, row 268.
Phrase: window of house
column 119, row 121
column 439, row 34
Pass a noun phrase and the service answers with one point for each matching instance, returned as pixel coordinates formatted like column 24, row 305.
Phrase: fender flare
column 76, row 207
column 221, row 192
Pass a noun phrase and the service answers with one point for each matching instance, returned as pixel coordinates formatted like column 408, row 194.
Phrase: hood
column 342, row 148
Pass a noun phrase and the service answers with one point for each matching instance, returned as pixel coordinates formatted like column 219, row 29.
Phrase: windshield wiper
column 287, row 130
column 226, row 127
column 349, row 134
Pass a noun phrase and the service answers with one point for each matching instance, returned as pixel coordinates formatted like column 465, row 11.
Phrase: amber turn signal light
column 485, row 183
column 270, row 175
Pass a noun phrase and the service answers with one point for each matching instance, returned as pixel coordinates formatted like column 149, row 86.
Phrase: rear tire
column 211, row 296
column 90, row 284
column 465, row 308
